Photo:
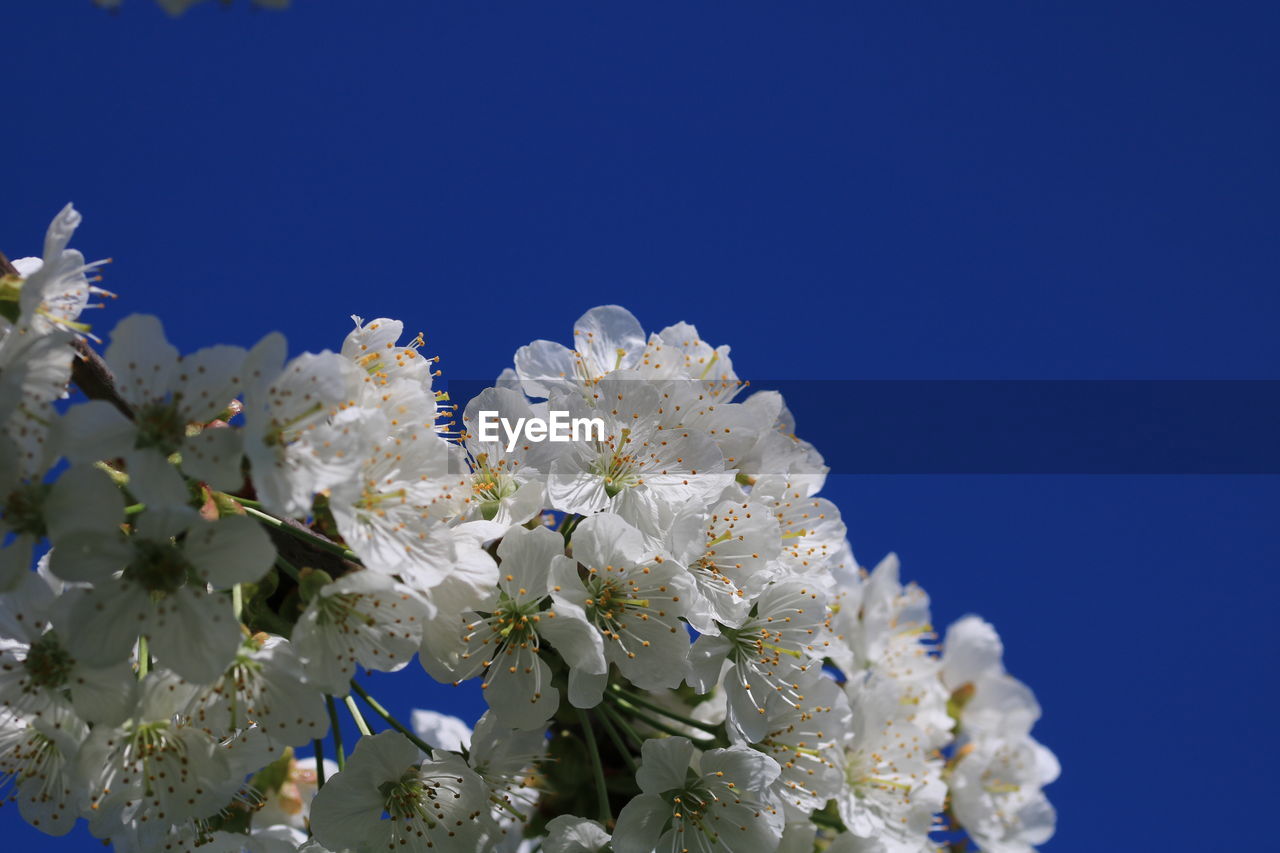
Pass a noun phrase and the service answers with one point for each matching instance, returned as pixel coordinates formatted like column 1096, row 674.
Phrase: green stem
column 642, row 702
column 568, row 525
column 134, row 509
column 357, row 716
column 827, row 821
column 622, row 724
column 391, row 721
column 337, row 731
column 318, row 746
column 144, row 657
column 303, row 534
column 602, row 793
column 641, row 716
column 288, row 568
column 237, row 601
column 616, row 738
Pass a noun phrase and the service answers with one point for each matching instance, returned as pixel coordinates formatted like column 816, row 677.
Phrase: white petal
column 90, row 556
column 526, row 555
column 576, row 639
column 195, row 634
column 609, row 337
column 586, row 689
column 105, row 695
column 106, row 622
column 94, row 430
column 640, row 824
column 664, row 763
column 544, row 366
column 155, row 482
column 213, row 456
column 207, row 380
column 235, row 549
column 142, row 359
column 83, row 498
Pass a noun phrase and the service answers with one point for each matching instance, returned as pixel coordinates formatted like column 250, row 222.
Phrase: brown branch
column 301, row 555
column 92, row 376
column 7, row 268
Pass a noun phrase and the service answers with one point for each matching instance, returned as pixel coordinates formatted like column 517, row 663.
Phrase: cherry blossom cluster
column 207, row 556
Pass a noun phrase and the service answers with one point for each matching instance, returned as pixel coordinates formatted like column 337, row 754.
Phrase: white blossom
column 506, row 486
column 37, row 759
column 506, row 760
column 996, row 793
column 992, row 702
column 429, row 803
column 648, row 465
column 728, row 549
column 361, row 619
column 35, row 344
column 395, row 379
column 893, row 781
column 156, row 766
column 808, row 743
column 36, row 668
column 302, row 430
column 811, row 528
column 605, row 339
column 263, row 686
column 162, row 582
column 504, row 645
column 390, row 511
column 634, row 596
column 174, row 399
column 775, row 652
column 718, row 802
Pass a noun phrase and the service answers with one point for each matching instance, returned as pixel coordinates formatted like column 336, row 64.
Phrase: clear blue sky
column 838, row 190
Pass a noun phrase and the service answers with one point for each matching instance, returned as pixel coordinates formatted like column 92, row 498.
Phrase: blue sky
column 874, row 191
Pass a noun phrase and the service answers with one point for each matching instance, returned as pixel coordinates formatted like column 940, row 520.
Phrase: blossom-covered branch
column 677, row 647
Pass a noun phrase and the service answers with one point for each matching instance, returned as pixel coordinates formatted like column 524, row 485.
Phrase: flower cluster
column 206, row 558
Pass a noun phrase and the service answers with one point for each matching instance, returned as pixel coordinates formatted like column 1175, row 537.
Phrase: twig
column 92, row 376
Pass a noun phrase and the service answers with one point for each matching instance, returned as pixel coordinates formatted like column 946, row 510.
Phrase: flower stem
column 144, row 657
column 318, row 746
column 602, row 793
column 639, row 715
column 616, row 738
column 827, row 821
column 568, row 525
column 288, row 568
column 337, row 731
column 619, row 721
column 357, row 716
column 237, row 601
column 299, row 532
column 642, row 702
column 391, row 721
